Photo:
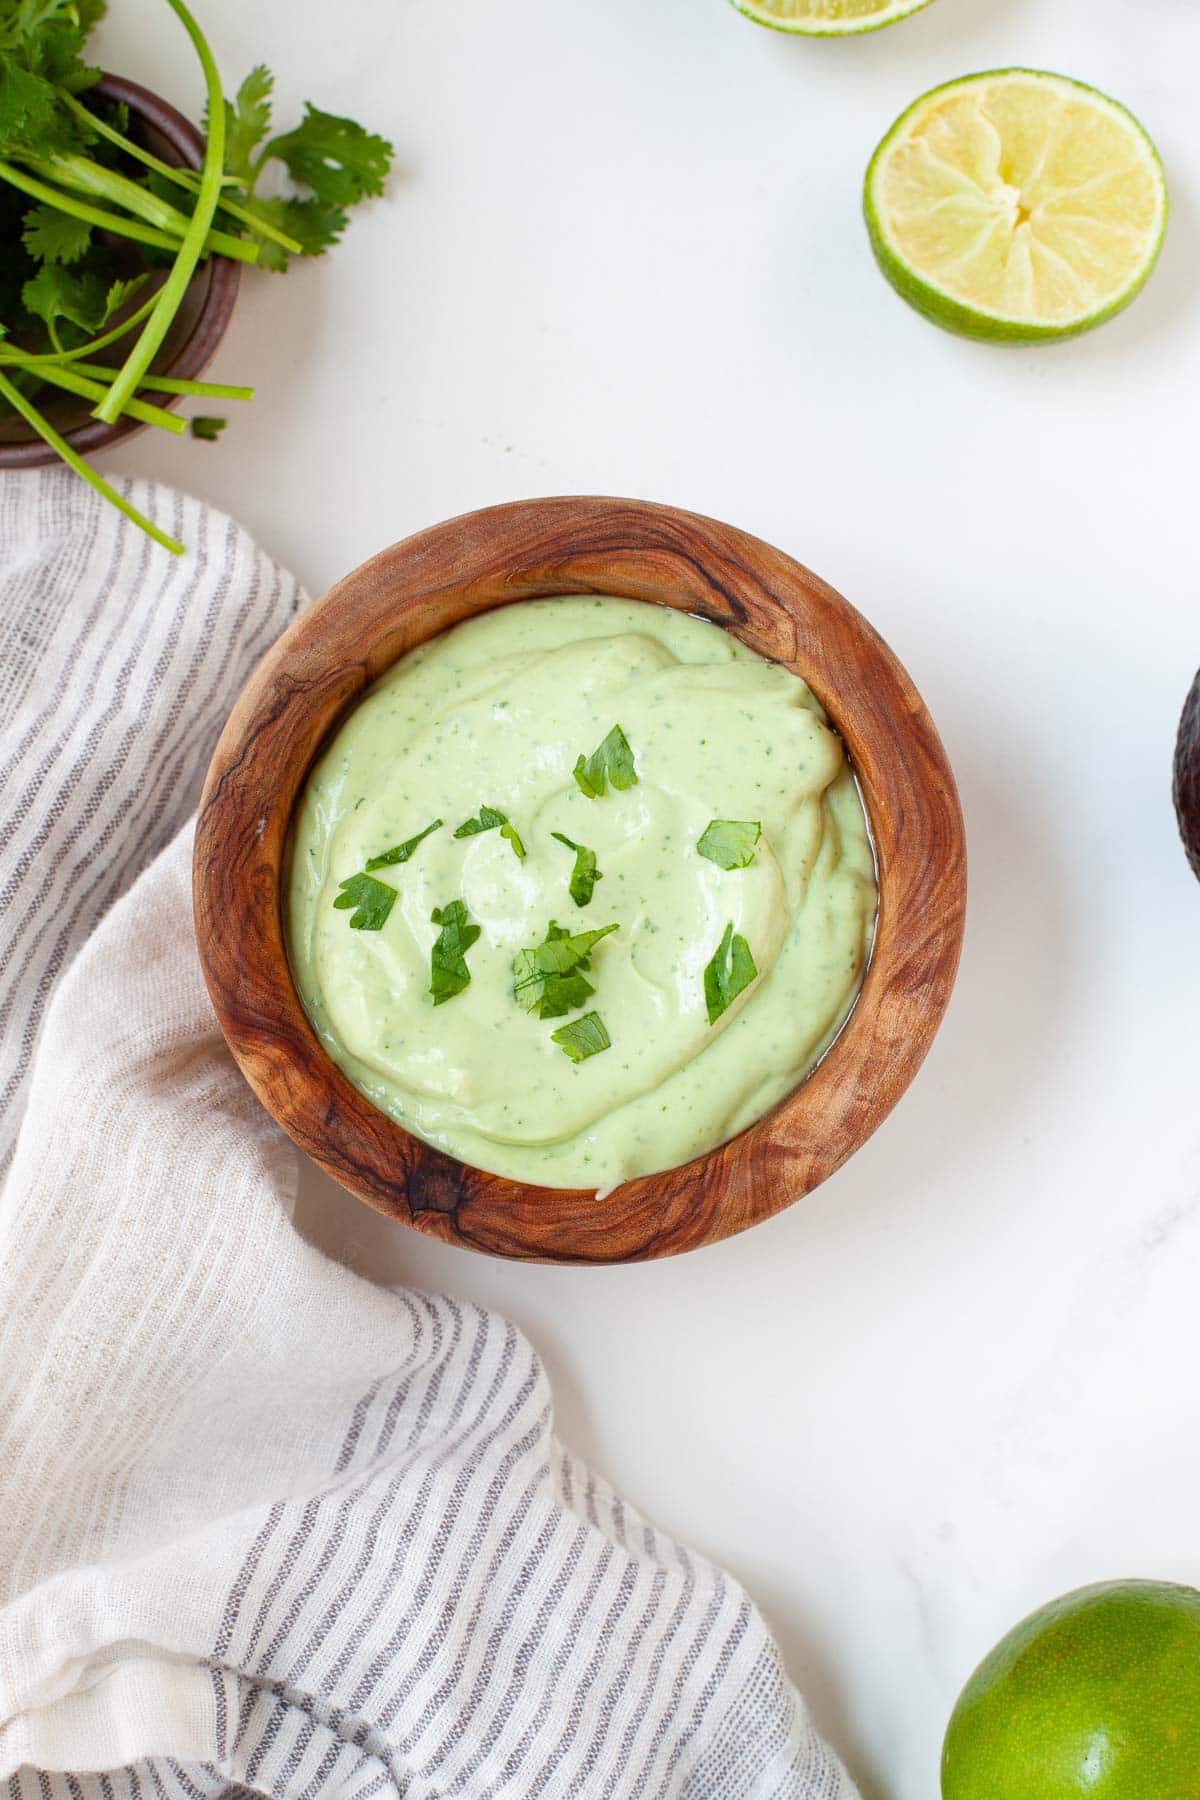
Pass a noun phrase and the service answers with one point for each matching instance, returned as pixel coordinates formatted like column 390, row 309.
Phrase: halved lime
column 828, row 18
column 1016, row 206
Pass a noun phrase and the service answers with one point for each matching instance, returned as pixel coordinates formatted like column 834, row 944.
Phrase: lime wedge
column 1016, row 206
column 828, row 18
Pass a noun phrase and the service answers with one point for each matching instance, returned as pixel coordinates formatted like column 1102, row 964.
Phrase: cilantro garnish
column 551, row 979
column 372, row 901
column 610, row 761
column 489, row 820
column 729, row 973
column 728, row 842
column 400, row 853
column 585, row 874
column 448, row 958
column 583, row 1037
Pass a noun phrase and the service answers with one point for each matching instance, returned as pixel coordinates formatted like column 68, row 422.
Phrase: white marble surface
column 623, row 254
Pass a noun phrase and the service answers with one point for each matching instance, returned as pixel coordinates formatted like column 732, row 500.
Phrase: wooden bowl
column 320, row 668
column 196, row 329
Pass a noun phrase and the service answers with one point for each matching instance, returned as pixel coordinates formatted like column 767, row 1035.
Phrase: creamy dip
column 484, row 729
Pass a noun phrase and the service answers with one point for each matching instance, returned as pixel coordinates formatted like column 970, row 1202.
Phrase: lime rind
column 977, row 322
column 889, row 15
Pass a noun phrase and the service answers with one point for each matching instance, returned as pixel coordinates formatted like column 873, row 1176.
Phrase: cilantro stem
column 87, row 177
column 103, row 129
column 45, row 356
column 190, row 251
column 239, row 248
column 60, row 446
column 173, row 384
column 75, row 383
column 184, row 178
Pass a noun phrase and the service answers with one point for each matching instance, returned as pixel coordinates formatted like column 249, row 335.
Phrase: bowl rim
column 527, row 549
column 221, row 274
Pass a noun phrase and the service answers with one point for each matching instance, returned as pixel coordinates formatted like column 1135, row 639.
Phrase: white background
column 622, row 253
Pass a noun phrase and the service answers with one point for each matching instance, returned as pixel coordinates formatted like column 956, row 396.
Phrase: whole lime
column 1096, row 1695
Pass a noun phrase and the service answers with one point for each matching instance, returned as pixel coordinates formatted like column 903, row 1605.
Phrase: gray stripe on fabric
column 55, row 886
column 740, row 1738
column 302, row 1533
column 357, row 1423
column 443, row 1536
column 220, row 1712
column 179, row 1774
column 53, row 707
column 379, row 1665
column 690, row 1658
column 265, row 1662
column 254, row 1555
column 278, row 1713
column 616, row 1688
column 346, row 1514
column 529, row 1645
column 574, row 1628
column 431, row 1364
column 370, row 1613
column 199, row 728
column 349, row 1502
column 485, row 1593
column 708, row 1692
column 156, row 1779
column 666, row 1637
column 612, row 1617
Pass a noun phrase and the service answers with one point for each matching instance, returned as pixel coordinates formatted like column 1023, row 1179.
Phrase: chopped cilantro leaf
column 730, row 843
column 612, row 761
column 372, row 901
column 582, row 1037
column 400, row 853
column 489, row 819
column 448, row 958
column 585, row 874
column 729, row 973
column 551, row 978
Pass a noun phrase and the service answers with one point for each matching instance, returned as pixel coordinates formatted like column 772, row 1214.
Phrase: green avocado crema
column 497, row 713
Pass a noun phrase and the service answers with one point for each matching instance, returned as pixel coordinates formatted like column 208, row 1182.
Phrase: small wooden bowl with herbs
column 125, row 231
column 409, row 595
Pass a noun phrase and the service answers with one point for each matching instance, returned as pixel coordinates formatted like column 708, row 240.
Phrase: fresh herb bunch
column 99, row 238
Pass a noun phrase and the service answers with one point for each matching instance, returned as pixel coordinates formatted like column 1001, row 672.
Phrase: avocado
column 1187, row 777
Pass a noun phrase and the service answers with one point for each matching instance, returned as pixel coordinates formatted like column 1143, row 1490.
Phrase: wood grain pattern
column 432, row 581
column 196, row 329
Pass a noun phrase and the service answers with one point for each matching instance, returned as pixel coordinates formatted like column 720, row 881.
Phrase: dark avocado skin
column 1187, row 777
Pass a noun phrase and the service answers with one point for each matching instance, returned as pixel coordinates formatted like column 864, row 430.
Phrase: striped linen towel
column 261, row 1521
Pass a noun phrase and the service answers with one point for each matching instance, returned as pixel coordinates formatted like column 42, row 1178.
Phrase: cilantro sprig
column 551, row 978
column 611, row 761
column 88, row 215
column 449, row 973
column 489, row 819
column 729, row 972
column 730, row 843
column 585, row 874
